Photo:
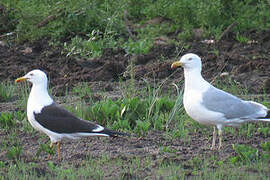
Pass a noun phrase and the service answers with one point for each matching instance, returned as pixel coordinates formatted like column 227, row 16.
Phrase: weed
column 195, row 162
column 176, row 107
column 91, row 26
column 7, row 120
column 7, row 90
column 2, row 164
column 142, row 127
column 245, row 154
column 23, row 93
column 242, row 39
column 137, row 47
column 19, row 115
column 229, row 85
column 51, row 165
column 166, row 149
column 266, row 146
column 14, row 152
column 45, row 148
column 82, row 90
column 264, row 130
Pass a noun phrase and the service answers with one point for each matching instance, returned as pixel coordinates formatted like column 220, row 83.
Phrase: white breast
column 192, row 104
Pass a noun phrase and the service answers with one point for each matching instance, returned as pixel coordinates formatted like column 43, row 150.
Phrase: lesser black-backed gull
column 46, row 116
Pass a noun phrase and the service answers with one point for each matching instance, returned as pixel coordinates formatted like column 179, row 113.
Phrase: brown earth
column 248, row 64
column 183, row 151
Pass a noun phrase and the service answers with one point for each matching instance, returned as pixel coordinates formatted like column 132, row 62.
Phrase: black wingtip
column 265, row 117
column 115, row 133
column 268, row 114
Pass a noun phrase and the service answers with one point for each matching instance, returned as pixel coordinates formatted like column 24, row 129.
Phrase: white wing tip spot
column 98, row 128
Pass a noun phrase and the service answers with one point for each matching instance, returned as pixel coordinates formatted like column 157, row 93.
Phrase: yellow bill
column 176, row 64
column 20, row 79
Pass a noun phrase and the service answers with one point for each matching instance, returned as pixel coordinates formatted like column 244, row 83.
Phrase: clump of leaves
column 266, row 154
column 142, row 127
column 45, row 148
column 245, row 154
column 266, row 146
column 264, row 130
column 14, row 152
column 141, row 46
column 6, row 91
column 7, row 120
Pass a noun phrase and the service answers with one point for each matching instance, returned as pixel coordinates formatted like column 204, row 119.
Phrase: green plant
column 2, row 164
column 45, row 148
column 7, row 90
column 266, row 146
column 87, row 48
column 176, row 107
column 229, row 85
column 241, row 38
column 82, row 90
column 19, row 115
column 23, row 93
column 245, row 154
column 167, row 149
column 14, row 152
column 141, row 46
column 264, row 130
column 142, row 127
column 7, row 120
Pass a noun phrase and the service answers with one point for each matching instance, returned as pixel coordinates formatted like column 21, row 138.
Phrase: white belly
column 192, row 104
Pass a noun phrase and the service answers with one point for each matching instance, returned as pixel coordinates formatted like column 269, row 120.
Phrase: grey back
column 232, row 107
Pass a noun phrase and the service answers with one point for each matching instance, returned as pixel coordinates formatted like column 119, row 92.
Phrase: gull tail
column 112, row 133
column 266, row 118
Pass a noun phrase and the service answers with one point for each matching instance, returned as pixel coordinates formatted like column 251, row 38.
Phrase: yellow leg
column 220, row 139
column 51, row 146
column 214, row 138
column 58, row 150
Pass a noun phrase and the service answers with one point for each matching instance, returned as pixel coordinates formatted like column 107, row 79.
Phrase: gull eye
column 31, row 74
column 190, row 59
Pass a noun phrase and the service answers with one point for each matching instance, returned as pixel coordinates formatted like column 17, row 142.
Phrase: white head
column 189, row 61
column 36, row 77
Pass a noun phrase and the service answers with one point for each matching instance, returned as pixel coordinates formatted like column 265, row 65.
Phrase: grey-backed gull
column 211, row 106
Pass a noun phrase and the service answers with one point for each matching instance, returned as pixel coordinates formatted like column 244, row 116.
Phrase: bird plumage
column 209, row 105
column 46, row 116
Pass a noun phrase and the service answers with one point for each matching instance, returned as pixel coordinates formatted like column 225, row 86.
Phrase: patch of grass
column 93, row 46
column 166, row 149
column 23, row 94
column 229, row 85
column 7, row 90
column 245, row 154
column 242, row 39
column 152, row 111
column 45, row 148
column 264, row 130
column 14, row 152
column 266, row 146
column 82, row 90
column 7, row 120
column 86, row 27
column 141, row 46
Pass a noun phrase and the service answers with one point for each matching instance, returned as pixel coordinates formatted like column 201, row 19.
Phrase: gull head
column 35, row 77
column 189, row 61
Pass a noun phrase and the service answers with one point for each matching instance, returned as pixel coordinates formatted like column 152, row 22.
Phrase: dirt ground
column 248, row 64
